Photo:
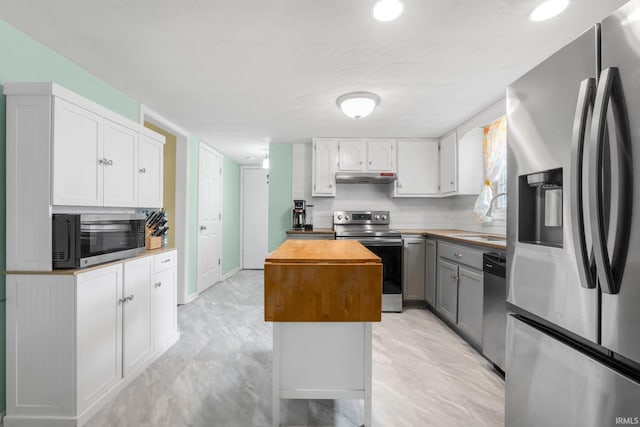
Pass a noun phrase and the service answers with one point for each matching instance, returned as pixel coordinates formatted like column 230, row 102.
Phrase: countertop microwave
column 82, row 240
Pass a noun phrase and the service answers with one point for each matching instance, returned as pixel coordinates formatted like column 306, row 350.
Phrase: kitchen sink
column 480, row 237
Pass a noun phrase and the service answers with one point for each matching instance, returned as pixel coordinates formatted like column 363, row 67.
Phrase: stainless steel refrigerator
column 573, row 328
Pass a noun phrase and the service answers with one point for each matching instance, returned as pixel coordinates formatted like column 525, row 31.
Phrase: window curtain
column 494, row 145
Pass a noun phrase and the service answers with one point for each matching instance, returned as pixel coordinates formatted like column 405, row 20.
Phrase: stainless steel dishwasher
column 494, row 312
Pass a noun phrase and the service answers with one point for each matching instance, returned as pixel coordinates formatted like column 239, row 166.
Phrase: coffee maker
column 299, row 213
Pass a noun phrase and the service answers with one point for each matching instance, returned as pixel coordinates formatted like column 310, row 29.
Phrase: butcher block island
column 322, row 296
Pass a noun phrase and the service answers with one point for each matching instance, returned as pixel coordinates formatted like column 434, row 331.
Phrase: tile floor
column 219, row 373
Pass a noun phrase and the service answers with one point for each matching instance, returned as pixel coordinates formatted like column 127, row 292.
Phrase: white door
column 352, row 155
column 255, row 222
column 150, row 172
column 120, row 165
column 99, row 323
column 325, row 154
column 448, row 164
column 136, row 323
column 77, row 155
column 209, row 216
column 380, row 155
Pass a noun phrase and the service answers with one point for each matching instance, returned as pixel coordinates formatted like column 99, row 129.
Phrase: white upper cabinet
column 324, row 163
column 381, row 155
column 77, row 150
column 95, row 154
column 120, row 163
column 471, row 162
column 417, row 168
column 352, row 155
column 150, row 172
column 462, row 163
column 374, row 155
column 449, row 164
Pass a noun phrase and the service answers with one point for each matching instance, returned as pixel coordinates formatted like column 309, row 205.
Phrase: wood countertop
column 322, row 281
column 314, row 231
column 449, row 234
column 76, row 271
column 322, row 251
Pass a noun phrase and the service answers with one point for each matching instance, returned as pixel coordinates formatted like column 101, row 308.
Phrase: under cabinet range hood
column 365, row 177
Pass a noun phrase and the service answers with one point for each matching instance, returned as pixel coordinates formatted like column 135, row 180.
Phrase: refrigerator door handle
column 610, row 96
column 584, row 108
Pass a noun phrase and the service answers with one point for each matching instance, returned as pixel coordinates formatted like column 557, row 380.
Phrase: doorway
column 255, row 219
column 209, row 216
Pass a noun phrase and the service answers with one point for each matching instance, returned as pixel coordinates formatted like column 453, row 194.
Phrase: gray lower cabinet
column 431, row 273
column 470, row 299
column 447, row 294
column 413, row 276
column 460, row 289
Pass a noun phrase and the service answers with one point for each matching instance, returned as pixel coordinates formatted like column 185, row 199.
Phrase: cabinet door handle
column 203, row 227
column 164, row 261
column 101, row 161
column 109, row 162
column 457, row 255
column 143, row 170
column 122, row 301
column 454, row 277
column 157, row 285
column 129, row 298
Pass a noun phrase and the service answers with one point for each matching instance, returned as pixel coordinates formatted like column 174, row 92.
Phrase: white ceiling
column 241, row 73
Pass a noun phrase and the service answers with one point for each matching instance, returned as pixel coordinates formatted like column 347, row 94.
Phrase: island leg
column 275, row 405
column 368, row 363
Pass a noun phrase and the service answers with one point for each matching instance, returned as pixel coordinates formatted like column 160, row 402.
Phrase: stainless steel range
column 371, row 228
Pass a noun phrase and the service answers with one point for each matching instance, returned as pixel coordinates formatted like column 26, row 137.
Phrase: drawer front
column 164, row 261
column 316, row 236
column 460, row 254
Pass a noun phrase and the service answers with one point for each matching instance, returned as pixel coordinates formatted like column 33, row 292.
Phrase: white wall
column 448, row 212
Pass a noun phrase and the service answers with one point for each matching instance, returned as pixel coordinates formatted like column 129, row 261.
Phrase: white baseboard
column 190, row 298
column 229, row 274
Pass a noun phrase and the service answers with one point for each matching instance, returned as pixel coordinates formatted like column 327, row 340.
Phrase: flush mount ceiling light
column 358, row 104
column 548, row 9
column 387, row 10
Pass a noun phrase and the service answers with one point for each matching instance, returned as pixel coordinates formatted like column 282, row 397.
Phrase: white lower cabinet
column 76, row 340
column 99, row 333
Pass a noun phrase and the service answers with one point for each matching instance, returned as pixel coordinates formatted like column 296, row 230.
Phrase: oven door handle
column 374, row 242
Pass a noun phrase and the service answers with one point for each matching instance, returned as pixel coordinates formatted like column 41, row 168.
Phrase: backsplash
column 423, row 213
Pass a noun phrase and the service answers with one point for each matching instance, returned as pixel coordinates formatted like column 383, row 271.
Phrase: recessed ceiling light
column 548, row 9
column 387, row 10
column 358, row 104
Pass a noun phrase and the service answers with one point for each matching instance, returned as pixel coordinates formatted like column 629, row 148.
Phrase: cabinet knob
column 157, row 285
column 143, row 170
column 360, row 161
column 203, row 227
column 451, row 182
column 122, row 301
column 129, row 298
column 330, row 185
column 454, row 277
column 370, row 162
column 101, row 161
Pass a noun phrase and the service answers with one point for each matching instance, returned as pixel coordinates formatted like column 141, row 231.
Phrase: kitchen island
column 322, row 296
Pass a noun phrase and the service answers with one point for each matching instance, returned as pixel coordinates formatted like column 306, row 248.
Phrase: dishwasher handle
column 494, row 263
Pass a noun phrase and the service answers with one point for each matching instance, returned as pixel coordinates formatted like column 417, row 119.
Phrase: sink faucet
column 490, row 210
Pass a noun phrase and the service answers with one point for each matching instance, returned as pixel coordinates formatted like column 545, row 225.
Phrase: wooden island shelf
column 322, row 296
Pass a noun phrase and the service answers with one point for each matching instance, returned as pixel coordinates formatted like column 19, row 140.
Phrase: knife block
column 152, row 242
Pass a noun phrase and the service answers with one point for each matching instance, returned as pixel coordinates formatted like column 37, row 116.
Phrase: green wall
column 280, row 203
column 230, row 215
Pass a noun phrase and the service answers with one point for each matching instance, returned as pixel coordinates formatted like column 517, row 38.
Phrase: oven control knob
column 339, row 216
column 377, row 217
column 384, row 217
column 346, row 217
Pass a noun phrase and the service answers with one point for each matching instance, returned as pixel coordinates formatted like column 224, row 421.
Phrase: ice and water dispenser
column 540, row 208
